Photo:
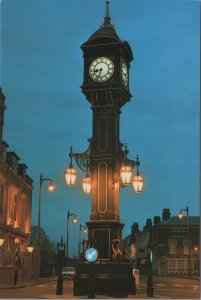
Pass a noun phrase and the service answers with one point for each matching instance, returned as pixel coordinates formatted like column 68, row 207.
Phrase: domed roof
column 106, row 31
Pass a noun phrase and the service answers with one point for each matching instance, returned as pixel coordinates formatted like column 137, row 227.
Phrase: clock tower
column 106, row 86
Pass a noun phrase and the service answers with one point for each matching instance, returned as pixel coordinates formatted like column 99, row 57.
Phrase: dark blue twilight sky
column 41, row 74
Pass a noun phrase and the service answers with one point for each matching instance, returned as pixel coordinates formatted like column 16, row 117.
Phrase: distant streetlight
column 180, row 215
column 51, row 187
column 60, row 258
column 75, row 220
column 85, row 231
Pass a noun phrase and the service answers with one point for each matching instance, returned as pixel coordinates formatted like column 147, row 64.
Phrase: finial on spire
column 107, row 15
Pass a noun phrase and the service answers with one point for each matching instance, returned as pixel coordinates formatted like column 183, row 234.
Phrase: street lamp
column 16, row 242
column 197, row 265
column 60, row 257
column 138, row 181
column 180, row 215
column 70, row 173
column 1, row 248
column 75, row 220
column 150, row 289
column 85, row 231
column 51, row 187
column 30, row 249
column 123, row 170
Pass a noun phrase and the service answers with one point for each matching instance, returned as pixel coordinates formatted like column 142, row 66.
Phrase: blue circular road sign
column 91, row 254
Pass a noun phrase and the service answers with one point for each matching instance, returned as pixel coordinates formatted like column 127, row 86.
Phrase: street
column 164, row 288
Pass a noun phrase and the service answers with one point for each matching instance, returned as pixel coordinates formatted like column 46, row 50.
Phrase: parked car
column 68, row 271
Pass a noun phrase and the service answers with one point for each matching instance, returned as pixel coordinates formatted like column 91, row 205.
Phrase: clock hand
column 100, row 70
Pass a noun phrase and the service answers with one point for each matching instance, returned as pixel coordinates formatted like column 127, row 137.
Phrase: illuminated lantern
column 30, row 249
column 138, row 182
column 126, row 173
column 86, row 184
column 70, row 176
column 51, row 187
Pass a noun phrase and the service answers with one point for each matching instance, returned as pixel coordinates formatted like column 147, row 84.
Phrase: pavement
column 140, row 294
column 31, row 282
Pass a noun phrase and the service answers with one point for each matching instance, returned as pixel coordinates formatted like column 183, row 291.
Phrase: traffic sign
column 91, row 254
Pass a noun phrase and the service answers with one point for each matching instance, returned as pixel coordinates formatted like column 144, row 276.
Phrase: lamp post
column 85, row 231
column 1, row 248
column 150, row 289
column 197, row 264
column 180, row 215
column 51, row 187
column 16, row 242
column 60, row 256
column 75, row 220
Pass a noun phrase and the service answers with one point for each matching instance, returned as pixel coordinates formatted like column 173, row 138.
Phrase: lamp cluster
column 125, row 170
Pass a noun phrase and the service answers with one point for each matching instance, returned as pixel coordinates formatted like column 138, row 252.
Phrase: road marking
column 179, row 285
column 160, row 284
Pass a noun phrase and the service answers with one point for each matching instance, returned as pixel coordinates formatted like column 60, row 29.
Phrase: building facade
column 15, row 212
column 167, row 239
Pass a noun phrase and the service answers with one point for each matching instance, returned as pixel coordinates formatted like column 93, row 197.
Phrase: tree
column 47, row 257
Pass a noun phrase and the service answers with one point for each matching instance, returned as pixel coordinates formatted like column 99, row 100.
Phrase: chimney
column 157, row 219
column 148, row 223
column 166, row 214
column 134, row 228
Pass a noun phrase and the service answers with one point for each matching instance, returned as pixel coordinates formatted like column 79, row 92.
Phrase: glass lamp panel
column 86, row 185
column 138, row 182
column 126, row 173
column 30, row 249
column 70, row 176
column 1, row 242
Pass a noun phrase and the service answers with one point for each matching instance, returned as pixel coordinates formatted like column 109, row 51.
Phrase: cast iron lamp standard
column 123, row 170
column 17, row 260
column 75, row 221
column 180, row 215
column 80, row 231
column 60, row 257
column 51, row 187
column 150, row 289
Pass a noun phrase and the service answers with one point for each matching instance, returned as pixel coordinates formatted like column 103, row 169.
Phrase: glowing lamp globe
column 70, row 176
column 51, row 187
column 180, row 215
column 86, row 185
column 138, row 182
column 126, row 173
column 75, row 220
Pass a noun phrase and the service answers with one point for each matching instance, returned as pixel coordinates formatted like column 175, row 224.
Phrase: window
column 171, row 264
column 179, row 233
column 180, row 264
column 186, row 246
column 172, row 246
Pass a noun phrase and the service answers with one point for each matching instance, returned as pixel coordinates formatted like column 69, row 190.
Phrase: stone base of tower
column 104, row 278
column 104, row 237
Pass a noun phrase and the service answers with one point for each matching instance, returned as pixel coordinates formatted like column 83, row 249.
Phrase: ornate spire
column 107, row 15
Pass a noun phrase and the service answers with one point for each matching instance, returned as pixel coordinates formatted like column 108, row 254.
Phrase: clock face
column 124, row 73
column 101, row 69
